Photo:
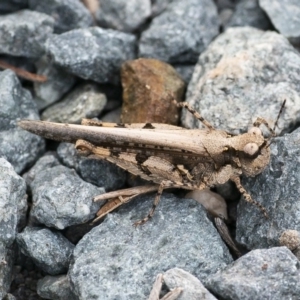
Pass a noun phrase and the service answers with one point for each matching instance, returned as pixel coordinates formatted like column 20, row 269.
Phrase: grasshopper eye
column 255, row 130
column 251, row 148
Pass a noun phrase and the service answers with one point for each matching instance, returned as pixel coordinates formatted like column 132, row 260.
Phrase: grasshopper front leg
column 246, row 195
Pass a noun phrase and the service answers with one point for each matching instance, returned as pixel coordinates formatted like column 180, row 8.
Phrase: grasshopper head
column 255, row 155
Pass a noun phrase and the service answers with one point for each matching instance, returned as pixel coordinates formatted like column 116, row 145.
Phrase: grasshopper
column 169, row 156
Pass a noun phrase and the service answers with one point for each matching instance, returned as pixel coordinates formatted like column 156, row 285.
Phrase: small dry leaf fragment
column 149, row 86
column 213, row 203
column 23, row 73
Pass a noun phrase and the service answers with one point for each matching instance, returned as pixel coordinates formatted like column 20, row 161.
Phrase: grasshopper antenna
column 280, row 112
column 276, row 123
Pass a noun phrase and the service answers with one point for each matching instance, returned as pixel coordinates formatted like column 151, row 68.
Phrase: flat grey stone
column 18, row 146
column 68, row 14
column 249, row 13
column 192, row 287
column 181, row 32
column 49, row 250
column 92, row 53
column 245, row 73
column 85, row 101
column 96, row 171
column 123, row 15
column 285, row 16
column 277, row 189
column 61, row 198
column 58, row 83
column 13, row 206
column 115, row 252
column 24, row 33
column 261, row 274
column 55, row 288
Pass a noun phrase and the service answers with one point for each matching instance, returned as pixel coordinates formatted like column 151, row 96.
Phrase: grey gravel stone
column 193, row 289
column 55, row 288
column 158, row 6
column 123, row 15
column 19, row 147
column 6, row 271
column 117, row 254
column 277, row 189
column 245, row 73
column 226, row 4
column 92, row 53
column 49, row 250
column 13, row 207
column 113, row 116
column 61, row 198
column 285, row 16
column 13, row 202
column 47, row 161
column 68, row 14
column 185, row 71
column 85, row 101
column 249, row 13
column 58, row 83
column 7, row 6
column 181, row 32
column 9, row 297
column 24, row 33
column 99, row 172
column 261, row 274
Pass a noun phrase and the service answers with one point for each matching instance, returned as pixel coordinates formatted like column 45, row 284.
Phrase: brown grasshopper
column 168, row 156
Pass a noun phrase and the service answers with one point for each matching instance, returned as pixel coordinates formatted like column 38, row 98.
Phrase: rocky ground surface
column 125, row 61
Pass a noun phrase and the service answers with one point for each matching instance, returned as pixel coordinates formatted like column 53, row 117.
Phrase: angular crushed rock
column 92, row 53
column 181, row 32
column 13, row 206
column 58, row 83
column 277, row 189
column 61, row 198
column 96, row 171
column 68, row 14
column 249, row 13
column 261, row 274
column 285, row 16
column 55, row 287
column 123, row 15
column 47, row 161
column 7, row 6
column 49, row 250
column 179, row 235
column 193, row 289
column 18, row 146
column 245, row 73
column 24, row 33
column 85, row 101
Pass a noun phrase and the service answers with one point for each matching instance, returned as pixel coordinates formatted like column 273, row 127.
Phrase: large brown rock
column 149, row 86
